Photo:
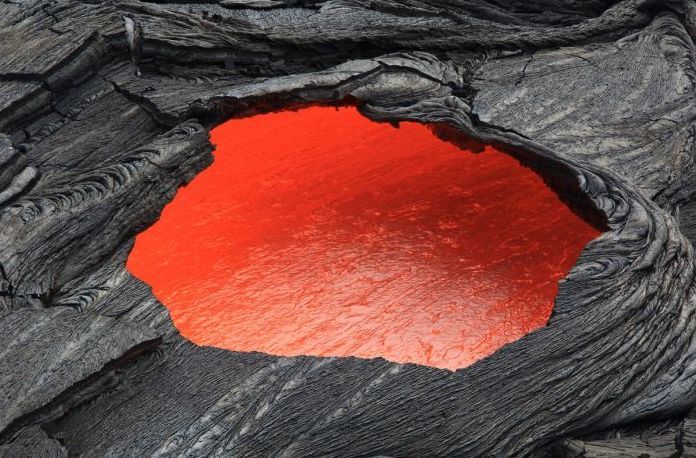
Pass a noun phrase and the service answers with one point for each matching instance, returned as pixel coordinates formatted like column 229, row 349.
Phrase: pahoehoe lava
column 105, row 110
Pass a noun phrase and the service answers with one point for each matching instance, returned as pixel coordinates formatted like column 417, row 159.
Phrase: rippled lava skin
column 319, row 232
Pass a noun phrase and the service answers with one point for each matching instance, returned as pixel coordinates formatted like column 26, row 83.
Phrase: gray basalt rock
column 105, row 109
column 55, row 350
column 33, row 442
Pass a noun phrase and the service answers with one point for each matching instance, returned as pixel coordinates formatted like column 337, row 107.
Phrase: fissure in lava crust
column 320, row 232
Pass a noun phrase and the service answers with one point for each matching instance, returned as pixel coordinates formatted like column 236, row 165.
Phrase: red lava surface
column 319, row 232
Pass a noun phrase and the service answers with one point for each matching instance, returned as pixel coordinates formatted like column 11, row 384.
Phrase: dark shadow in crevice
column 558, row 177
column 80, row 393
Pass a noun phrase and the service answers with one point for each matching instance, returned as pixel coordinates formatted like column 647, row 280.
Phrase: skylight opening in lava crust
column 320, row 232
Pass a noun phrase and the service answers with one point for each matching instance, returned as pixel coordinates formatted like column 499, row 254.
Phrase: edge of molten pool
column 320, row 232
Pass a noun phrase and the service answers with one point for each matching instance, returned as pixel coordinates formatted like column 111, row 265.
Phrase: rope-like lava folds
column 597, row 97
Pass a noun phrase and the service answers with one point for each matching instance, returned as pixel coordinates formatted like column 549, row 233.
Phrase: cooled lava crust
column 105, row 111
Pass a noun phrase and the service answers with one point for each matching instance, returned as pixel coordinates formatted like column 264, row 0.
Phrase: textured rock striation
column 105, row 110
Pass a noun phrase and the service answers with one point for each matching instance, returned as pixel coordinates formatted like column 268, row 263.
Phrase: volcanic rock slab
column 105, row 110
column 65, row 349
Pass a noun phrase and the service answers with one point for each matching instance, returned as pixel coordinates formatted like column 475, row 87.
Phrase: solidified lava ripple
column 320, row 232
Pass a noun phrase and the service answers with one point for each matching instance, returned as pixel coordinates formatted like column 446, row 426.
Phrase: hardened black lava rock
column 105, row 109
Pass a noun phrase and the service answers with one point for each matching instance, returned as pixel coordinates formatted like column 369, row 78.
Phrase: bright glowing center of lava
column 319, row 232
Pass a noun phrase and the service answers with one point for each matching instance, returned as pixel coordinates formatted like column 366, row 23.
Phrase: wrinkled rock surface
column 105, row 110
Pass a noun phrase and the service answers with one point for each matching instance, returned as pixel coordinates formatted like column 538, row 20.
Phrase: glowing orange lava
column 319, row 232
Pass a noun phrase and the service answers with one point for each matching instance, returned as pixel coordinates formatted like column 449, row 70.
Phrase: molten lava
column 319, row 232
